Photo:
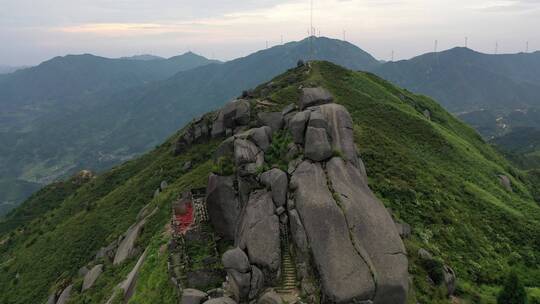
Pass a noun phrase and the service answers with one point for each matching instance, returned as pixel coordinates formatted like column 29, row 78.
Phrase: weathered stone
column 344, row 274
column 317, row 120
column 270, row 298
column 317, row 147
column 314, row 97
column 293, row 164
column 187, row 165
column 241, row 284
column 222, row 300
column 127, row 245
column 128, row 286
column 424, row 254
column 216, row 293
column 403, row 229
column 340, row 125
column 83, row 271
column 277, row 181
column 292, row 151
column 260, row 137
column 283, row 219
column 297, row 232
column 280, row 210
column 225, row 149
column 51, row 299
column 288, row 109
column 236, row 113
column 259, row 232
column 163, row 185
column 427, row 114
column 202, row 278
column 193, row 296
column 274, row 120
column 297, row 126
column 236, row 259
column 450, row 280
column 64, row 296
column 245, row 152
column 222, row 204
column 505, row 182
column 91, row 277
column 108, row 251
column 372, row 230
column 257, row 282
column 247, row 182
column 218, row 127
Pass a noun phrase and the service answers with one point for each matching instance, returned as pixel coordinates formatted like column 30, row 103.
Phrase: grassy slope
column 438, row 175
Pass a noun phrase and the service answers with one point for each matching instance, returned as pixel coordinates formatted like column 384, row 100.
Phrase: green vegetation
column 276, row 155
column 436, row 174
column 513, row 291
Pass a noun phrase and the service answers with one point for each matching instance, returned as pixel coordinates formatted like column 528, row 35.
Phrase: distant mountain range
column 6, row 69
column 84, row 111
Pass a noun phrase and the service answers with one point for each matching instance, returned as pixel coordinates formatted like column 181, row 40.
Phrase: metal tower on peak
column 466, row 42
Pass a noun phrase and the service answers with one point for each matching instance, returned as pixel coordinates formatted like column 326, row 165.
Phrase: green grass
column 436, row 174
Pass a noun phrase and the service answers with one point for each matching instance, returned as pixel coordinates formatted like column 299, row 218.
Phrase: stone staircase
column 288, row 268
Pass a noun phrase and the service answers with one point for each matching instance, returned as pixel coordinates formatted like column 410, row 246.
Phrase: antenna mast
column 392, row 60
column 527, row 47
column 466, row 42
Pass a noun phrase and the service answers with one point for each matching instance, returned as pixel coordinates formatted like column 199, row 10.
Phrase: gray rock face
column 193, row 296
column 245, row 152
column 450, row 280
column 297, row 126
column 505, row 182
column 314, row 97
column 373, row 231
column 257, row 282
column 344, row 275
column 236, row 113
column 270, row 298
column 341, row 131
column 91, row 277
column 274, row 120
column 222, row 204
column 317, row 120
column 128, row 286
column 240, row 284
column 83, row 271
column 317, row 146
column 222, row 300
column 259, row 232
column 218, row 126
column 277, row 181
column 261, row 137
column 236, row 259
column 127, row 245
column 64, row 296
column 225, row 149
column 298, row 233
column 51, row 299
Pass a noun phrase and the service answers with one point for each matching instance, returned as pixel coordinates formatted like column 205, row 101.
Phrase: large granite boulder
column 298, row 233
column 297, row 126
column 373, row 231
column 261, row 137
column 341, row 131
column 218, row 126
column 277, row 181
column 222, row 300
column 222, row 204
column 126, row 248
column 91, row 277
column 345, row 273
column 236, row 113
column 259, row 232
column 317, row 145
column 257, row 282
column 274, row 120
column 236, row 259
column 314, row 97
column 270, row 298
column 245, row 152
column 193, row 296
column 64, row 296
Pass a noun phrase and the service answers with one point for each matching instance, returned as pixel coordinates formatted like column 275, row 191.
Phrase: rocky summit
column 322, row 186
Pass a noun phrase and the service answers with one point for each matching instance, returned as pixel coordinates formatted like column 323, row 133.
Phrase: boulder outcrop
column 91, row 277
column 340, row 231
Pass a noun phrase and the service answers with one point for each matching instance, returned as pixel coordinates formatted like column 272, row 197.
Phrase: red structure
column 183, row 215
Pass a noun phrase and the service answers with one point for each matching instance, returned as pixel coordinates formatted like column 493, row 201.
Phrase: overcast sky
column 32, row 31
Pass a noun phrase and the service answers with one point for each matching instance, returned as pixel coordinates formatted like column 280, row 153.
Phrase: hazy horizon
column 230, row 29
